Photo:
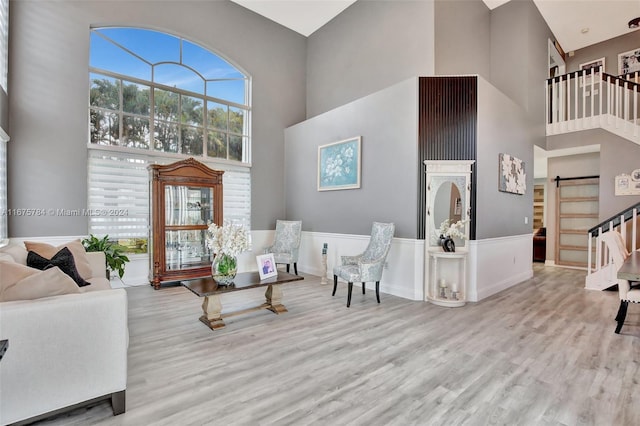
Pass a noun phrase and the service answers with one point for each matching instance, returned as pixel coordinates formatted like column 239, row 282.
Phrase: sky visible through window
column 147, row 54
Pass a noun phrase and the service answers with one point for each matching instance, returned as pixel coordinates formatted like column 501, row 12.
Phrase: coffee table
column 212, row 315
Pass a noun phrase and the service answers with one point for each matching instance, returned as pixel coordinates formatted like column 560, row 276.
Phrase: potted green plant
column 112, row 251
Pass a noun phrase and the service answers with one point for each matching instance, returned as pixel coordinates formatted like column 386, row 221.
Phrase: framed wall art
column 586, row 80
column 628, row 184
column 629, row 62
column 339, row 165
column 512, row 177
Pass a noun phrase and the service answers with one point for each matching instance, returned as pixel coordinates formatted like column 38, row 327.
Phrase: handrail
column 613, row 221
column 591, row 98
column 604, row 77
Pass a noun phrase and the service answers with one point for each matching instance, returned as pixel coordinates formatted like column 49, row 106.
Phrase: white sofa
column 63, row 350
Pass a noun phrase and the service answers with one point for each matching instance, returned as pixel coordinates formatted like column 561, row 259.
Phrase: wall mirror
column 448, row 193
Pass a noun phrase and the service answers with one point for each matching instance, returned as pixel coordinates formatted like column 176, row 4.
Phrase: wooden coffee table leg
column 274, row 299
column 212, row 308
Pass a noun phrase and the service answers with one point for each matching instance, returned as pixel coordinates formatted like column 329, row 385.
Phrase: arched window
column 157, row 92
column 158, row 98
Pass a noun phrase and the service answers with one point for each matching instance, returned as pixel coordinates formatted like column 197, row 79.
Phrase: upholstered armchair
column 368, row 266
column 286, row 243
column 618, row 252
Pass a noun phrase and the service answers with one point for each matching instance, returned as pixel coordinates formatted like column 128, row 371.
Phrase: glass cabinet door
column 188, row 205
column 186, row 250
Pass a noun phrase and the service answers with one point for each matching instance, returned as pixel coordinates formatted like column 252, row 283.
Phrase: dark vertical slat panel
column 447, row 130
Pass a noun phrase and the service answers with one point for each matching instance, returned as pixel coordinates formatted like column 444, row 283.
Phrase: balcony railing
column 601, row 272
column 589, row 99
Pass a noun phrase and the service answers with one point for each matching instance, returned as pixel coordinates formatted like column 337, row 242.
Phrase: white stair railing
column 601, row 272
column 590, row 99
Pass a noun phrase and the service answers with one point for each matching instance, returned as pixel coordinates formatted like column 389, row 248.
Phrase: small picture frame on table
column 266, row 266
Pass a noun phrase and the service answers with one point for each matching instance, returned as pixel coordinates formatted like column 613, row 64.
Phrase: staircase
column 590, row 99
column 601, row 273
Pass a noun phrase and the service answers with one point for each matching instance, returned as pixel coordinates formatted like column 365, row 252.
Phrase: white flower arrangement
column 453, row 230
column 230, row 239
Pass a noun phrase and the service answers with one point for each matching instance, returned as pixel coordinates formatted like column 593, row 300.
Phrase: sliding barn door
column 576, row 212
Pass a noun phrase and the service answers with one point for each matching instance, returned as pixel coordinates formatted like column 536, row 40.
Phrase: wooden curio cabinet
column 185, row 197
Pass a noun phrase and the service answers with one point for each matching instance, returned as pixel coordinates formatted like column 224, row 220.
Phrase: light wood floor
column 541, row 353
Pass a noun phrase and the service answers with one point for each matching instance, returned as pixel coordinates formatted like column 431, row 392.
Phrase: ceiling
column 575, row 23
column 302, row 16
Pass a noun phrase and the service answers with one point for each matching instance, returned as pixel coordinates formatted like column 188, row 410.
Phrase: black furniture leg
column 622, row 313
column 349, row 294
column 335, row 284
column 118, row 402
column 378, row 291
column 363, row 288
column 288, row 268
column 295, row 268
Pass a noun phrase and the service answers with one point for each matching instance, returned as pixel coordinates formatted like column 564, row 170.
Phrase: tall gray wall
column 503, row 127
column 507, row 46
column 519, row 57
column 49, row 45
column 462, row 38
column 371, row 45
column 387, row 122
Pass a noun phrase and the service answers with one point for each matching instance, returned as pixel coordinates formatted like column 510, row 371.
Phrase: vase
column 224, row 269
column 447, row 244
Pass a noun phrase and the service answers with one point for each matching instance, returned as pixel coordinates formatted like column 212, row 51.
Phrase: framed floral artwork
column 339, row 165
column 512, row 176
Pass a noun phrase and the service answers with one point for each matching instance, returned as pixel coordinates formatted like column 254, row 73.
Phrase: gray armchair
column 368, row 266
column 286, row 243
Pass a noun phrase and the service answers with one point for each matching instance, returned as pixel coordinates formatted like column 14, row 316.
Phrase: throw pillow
column 12, row 272
column 76, row 248
column 62, row 259
column 17, row 252
column 51, row 282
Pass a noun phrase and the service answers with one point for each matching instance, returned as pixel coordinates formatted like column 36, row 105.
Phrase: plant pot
column 224, row 269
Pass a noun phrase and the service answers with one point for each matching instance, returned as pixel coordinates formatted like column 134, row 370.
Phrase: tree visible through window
column 156, row 98
column 157, row 92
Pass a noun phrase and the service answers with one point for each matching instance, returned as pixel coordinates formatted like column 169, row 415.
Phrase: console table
column 212, row 315
column 447, row 289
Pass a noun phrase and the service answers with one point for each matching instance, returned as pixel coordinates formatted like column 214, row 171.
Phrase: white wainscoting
column 496, row 264
column 403, row 275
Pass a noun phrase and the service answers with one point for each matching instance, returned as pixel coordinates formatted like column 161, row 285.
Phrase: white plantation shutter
column 4, row 42
column 4, row 138
column 119, row 193
column 4, row 233
column 236, row 193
